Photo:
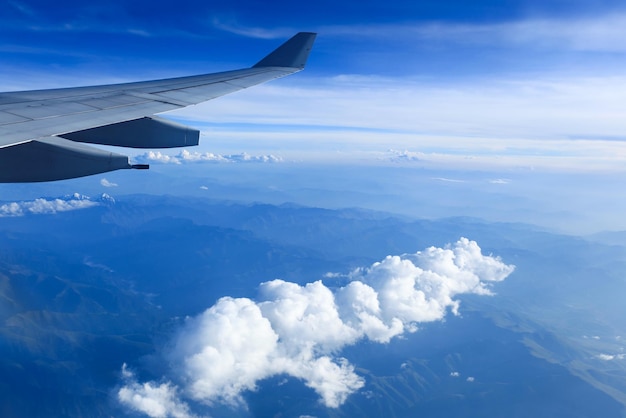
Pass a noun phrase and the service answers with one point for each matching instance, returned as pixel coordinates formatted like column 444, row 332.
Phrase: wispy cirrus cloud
column 298, row 330
column 587, row 33
column 232, row 26
column 22, row 8
column 600, row 33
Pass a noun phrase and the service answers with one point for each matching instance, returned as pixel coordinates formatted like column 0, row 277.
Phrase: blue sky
column 432, row 39
column 509, row 88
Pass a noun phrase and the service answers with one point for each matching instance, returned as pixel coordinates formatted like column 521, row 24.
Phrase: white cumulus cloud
column 47, row 206
column 154, row 400
column 185, row 157
column 404, row 156
column 298, row 330
column 225, row 350
column 106, row 183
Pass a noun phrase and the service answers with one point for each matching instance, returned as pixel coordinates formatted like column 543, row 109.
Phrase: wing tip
column 294, row 53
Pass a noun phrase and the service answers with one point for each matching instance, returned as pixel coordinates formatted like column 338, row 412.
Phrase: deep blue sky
column 122, row 37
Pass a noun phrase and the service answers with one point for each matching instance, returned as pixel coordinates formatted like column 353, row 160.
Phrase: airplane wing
column 42, row 132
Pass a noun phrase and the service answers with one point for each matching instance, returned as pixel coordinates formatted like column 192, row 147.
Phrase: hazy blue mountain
column 84, row 291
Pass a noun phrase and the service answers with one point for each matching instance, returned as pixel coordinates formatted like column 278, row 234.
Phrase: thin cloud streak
column 22, row 8
column 528, row 122
column 234, row 27
column 599, row 33
column 526, row 108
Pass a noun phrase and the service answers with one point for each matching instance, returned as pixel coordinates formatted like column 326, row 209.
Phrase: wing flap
column 148, row 132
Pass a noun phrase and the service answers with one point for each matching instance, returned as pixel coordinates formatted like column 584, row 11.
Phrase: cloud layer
column 185, row 157
column 299, row 331
column 50, row 206
column 548, row 120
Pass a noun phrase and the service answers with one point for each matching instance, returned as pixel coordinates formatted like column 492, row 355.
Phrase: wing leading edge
column 42, row 132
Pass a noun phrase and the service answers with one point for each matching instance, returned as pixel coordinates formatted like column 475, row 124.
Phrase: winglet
column 292, row 53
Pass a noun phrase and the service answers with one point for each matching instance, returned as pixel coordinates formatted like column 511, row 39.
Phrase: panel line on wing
column 8, row 117
column 156, row 98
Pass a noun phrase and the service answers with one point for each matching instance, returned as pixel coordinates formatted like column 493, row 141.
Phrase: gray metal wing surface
column 43, row 132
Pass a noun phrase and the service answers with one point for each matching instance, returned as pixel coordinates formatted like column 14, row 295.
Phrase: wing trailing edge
column 146, row 132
